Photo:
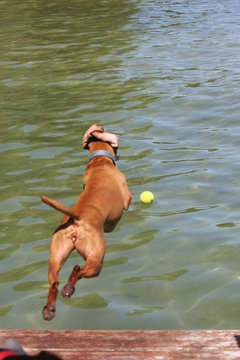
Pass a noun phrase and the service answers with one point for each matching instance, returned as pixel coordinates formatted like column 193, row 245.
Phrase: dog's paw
column 48, row 312
column 67, row 291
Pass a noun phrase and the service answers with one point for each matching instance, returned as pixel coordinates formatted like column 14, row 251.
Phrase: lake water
column 165, row 76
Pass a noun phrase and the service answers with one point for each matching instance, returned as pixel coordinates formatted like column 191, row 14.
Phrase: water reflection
column 89, row 301
column 31, row 286
column 145, row 238
column 4, row 310
column 65, row 56
column 145, row 310
column 5, row 253
column 172, row 276
column 22, row 271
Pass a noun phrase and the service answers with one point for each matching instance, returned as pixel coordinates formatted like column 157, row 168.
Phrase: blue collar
column 96, row 153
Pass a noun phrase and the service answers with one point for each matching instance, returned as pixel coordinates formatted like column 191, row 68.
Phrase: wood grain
column 132, row 345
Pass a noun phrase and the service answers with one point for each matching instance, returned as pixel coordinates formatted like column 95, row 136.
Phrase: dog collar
column 96, row 153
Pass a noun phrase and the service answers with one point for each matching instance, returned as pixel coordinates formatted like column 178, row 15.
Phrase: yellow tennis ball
column 146, row 197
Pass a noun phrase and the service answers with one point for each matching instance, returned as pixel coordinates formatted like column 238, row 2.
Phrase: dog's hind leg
column 91, row 268
column 91, row 247
column 60, row 249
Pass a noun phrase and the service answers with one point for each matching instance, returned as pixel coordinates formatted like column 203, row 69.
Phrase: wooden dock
column 129, row 345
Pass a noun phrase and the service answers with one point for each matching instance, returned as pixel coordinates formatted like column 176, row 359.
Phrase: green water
column 165, row 77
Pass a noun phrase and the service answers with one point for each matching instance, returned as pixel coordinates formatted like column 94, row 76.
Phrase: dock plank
column 132, row 345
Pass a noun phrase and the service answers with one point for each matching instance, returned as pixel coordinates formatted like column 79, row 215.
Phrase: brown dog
column 97, row 210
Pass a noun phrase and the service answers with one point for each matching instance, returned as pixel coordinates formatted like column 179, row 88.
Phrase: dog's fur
column 97, row 210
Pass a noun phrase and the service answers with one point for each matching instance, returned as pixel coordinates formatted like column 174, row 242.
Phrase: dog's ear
column 88, row 136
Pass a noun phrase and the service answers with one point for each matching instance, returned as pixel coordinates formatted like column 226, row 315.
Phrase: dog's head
column 96, row 133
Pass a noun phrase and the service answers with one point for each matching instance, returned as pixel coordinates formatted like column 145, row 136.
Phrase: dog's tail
column 60, row 207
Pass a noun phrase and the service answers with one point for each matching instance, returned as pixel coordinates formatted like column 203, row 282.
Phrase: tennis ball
column 146, row 197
